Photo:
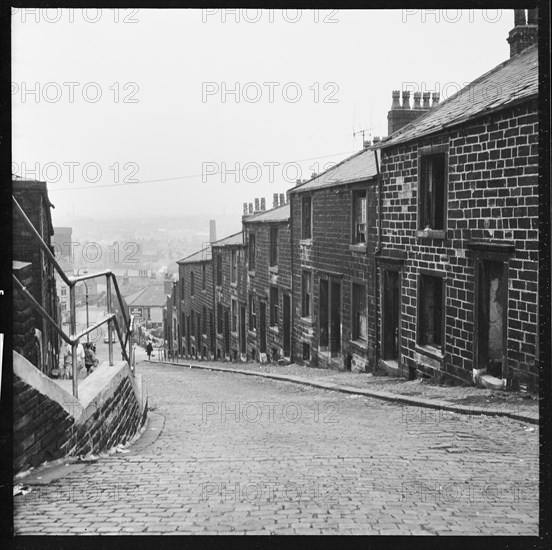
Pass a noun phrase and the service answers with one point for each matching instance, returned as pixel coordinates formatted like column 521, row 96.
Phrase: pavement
column 226, row 453
column 419, row 394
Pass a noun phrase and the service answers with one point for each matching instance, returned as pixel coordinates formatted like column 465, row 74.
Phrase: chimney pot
column 395, row 95
column 282, row 199
column 406, row 99
column 275, row 200
column 366, row 143
column 263, row 204
column 313, row 175
column 245, row 208
column 417, row 99
column 426, row 96
column 256, row 205
column 519, row 18
column 436, row 96
column 251, row 208
column 377, row 139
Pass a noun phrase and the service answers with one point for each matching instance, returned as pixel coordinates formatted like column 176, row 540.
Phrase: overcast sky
column 139, row 95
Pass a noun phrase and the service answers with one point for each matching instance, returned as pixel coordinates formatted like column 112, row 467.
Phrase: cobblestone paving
column 245, row 455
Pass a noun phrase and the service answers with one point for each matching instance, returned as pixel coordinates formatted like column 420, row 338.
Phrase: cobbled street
column 243, row 455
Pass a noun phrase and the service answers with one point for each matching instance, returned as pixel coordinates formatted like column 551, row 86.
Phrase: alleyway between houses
column 238, row 454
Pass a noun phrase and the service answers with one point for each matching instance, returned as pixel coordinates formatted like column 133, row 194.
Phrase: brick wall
column 50, row 423
column 262, row 278
column 329, row 253
column 226, row 292
column 492, row 204
column 194, row 305
column 24, row 316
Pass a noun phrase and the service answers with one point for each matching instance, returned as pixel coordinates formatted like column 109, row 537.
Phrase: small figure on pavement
column 149, row 350
column 89, row 357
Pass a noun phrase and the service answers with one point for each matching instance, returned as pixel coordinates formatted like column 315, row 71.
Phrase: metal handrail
column 71, row 282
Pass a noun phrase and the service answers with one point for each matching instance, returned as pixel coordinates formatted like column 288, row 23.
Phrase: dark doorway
column 391, row 315
column 242, row 329
column 262, row 314
column 335, row 317
column 226, row 332
column 324, row 313
column 287, row 326
column 491, row 317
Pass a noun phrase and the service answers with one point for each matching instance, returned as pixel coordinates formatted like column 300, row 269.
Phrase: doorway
column 262, row 324
column 391, row 315
column 330, row 316
column 226, row 332
column 287, row 325
column 242, row 329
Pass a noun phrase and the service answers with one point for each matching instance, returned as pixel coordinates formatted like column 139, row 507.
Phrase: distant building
column 197, row 304
column 147, row 305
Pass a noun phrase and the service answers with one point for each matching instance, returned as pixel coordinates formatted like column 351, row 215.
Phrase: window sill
column 273, row 269
column 359, row 343
column 274, row 329
column 360, row 247
column 305, row 242
column 307, row 319
column 252, row 332
column 204, row 291
column 218, row 287
column 251, row 273
column 234, row 285
column 431, row 234
column 430, row 351
column 234, row 333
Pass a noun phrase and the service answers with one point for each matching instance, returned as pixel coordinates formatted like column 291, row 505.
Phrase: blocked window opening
column 273, row 306
column 306, row 217
column 306, row 294
column 192, row 283
column 234, row 269
column 219, row 269
column 273, row 246
column 330, row 315
column 391, row 315
column 431, row 312
column 251, row 251
column 432, row 192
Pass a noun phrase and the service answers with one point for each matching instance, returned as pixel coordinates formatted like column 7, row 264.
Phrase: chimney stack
column 251, row 208
column 275, row 200
column 256, row 205
column 212, row 231
column 313, row 175
column 282, row 199
column 298, row 182
column 263, row 204
column 399, row 116
column 525, row 31
column 376, row 140
column 435, row 96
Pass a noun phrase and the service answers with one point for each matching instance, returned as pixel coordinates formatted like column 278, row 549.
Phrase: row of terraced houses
column 417, row 256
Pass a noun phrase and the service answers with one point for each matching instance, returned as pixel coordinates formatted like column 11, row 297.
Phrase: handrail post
column 73, row 308
column 109, row 311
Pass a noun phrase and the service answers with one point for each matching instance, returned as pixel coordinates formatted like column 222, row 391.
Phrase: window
column 432, row 192
column 147, row 313
column 203, row 276
column 251, row 251
column 219, row 269
column 430, row 311
column 360, row 325
column 192, row 317
column 182, row 288
column 252, row 314
column 64, row 291
column 306, row 217
column 219, row 318
column 204, row 331
column 192, row 283
column 273, row 246
column 306, row 294
column 359, row 217
column 234, row 316
column 273, row 306
column 234, row 267
column 306, row 351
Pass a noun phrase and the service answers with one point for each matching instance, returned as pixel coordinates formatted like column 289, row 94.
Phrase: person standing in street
column 149, row 350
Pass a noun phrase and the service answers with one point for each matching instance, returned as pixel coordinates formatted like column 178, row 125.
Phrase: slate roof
column 514, row 80
column 358, row 167
column 237, row 238
column 278, row 214
column 151, row 296
column 204, row 255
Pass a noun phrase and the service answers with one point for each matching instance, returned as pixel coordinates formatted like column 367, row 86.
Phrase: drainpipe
column 376, row 252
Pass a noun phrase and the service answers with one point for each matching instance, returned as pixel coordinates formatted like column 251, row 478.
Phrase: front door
column 287, row 326
column 335, row 318
column 391, row 315
column 242, row 329
column 262, row 325
column 226, row 332
column 491, row 317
